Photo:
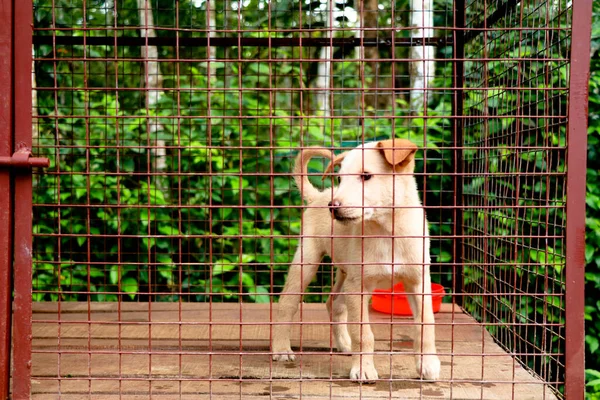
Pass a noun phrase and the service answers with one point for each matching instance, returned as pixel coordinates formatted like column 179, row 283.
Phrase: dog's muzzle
column 336, row 213
column 334, row 209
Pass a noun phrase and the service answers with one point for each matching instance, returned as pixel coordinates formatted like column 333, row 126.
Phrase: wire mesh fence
column 168, row 219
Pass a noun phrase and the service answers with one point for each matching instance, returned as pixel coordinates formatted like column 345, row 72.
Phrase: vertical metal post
column 23, row 17
column 575, row 224
column 6, row 149
column 457, row 112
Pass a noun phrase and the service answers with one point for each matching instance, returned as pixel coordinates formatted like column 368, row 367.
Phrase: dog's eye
column 366, row 176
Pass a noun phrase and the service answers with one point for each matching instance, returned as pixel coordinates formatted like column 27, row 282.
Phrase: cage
column 167, row 219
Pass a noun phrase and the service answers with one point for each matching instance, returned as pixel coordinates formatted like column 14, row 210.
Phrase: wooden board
column 130, row 351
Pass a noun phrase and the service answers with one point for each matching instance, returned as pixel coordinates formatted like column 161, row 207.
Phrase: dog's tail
column 309, row 192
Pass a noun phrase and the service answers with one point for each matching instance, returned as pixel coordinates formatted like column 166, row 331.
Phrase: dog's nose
column 334, row 208
column 334, row 204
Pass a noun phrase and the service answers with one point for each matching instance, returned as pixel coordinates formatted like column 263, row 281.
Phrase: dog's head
column 371, row 179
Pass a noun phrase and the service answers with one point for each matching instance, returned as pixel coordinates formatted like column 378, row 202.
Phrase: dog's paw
column 285, row 355
column 282, row 350
column 429, row 367
column 366, row 374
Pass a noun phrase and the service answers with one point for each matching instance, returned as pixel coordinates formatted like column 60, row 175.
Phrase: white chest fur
column 381, row 259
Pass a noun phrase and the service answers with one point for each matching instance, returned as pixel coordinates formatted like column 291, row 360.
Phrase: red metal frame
column 474, row 245
column 576, row 189
column 22, row 261
column 6, row 217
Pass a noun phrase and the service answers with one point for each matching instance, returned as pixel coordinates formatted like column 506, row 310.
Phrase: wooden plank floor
column 113, row 352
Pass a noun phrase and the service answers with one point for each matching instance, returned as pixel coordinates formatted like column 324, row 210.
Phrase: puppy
column 379, row 237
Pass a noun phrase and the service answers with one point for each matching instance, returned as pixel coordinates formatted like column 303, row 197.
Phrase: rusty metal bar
column 490, row 21
column 23, row 202
column 235, row 42
column 6, row 204
column 457, row 111
column 576, row 189
column 22, row 159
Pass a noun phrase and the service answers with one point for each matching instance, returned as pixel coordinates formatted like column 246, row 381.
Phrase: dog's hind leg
column 302, row 271
column 338, row 312
column 427, row 361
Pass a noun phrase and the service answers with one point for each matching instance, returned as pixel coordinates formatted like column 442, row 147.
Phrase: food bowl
column 383, row 299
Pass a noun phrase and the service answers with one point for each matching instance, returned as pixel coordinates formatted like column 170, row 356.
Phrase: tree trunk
column 421, row 71
column 153, row 81
column 323, row 81
column 375, row 99
column 211, row 24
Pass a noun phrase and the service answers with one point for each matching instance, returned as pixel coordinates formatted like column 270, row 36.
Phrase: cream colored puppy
column 376, row 199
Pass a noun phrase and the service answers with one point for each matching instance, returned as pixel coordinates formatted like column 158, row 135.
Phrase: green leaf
column 129, row 285
column 148, row 242
column 593, row 373
column 589, row 252
column 222, row 266
column 593, row 383
column 97, row 194
column 114, row 274
column 260, row 294
column 164, row 259
column 80, row 192
column 592, row 342
column 168, row 230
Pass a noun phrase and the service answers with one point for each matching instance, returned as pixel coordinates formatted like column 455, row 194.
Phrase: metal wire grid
column 156, row 194
column 516, row 184
column 191, row 108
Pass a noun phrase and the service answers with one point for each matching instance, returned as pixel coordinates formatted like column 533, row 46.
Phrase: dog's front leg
column 427, row 361
column 302, row 271
column 363, row 341
column 338, row 312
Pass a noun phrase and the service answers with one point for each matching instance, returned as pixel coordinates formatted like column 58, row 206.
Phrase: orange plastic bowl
column 382, row 299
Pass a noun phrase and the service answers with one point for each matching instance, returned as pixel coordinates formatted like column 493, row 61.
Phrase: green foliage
column 592, row 384
column 515, row 188
column 215, row 215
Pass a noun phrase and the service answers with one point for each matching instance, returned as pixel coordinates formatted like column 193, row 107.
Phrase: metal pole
column 23, row 17
column 457, row 111
column 575, row 223
column 6, row 204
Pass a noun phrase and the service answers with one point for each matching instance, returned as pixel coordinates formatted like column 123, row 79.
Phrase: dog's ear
column 336, row 160
column 398, row 152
